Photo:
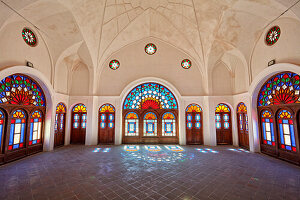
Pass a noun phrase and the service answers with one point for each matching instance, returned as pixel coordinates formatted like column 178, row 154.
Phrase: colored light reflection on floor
column 239, row 150
column 175, row 148
column 104, row 150
column 154, row 148
column 207, row 150
column 131, row 147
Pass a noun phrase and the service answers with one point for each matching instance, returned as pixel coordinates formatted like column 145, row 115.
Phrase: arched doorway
column 60, row 123
column 278, row 105
column 194, row 128
column 22, row 113
column 242, row 119
column 79, row 119
column 150, row 115
column 223, row 124
column 106, row 124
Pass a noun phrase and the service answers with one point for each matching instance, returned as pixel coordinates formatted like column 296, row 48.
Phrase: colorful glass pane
column 283, row 88
column 17, row 130
column 111, row 123
column 21, row 90
column 102, row 120
column 193, row 108
column 242, row 108
column 150, row 124
column 186, row 64
column 107, row 108
column 218, row 121
column 1, row 127
column 56, row 122
column 285, row 114
column 83, row 120
column 79, row 108
column 268, row 128
column 150, row 95
column 168, row 124
column 226, row 119
column 273, row 35
column 222, row 108
column 150, row 49
column 197, row 121
column 61, row 108
column 35, row 128
column 114, row 64
column 189, row 119
column 286, row 130
column 76, row 121
column 61, row 125
column 131, row 124
column 29, row 37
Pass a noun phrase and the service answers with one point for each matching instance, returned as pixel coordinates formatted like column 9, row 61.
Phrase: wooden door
column 79, row 119
column 194, row 133
column 242, row 119
column 223, row 124
column 106, row 128
column 59, row 137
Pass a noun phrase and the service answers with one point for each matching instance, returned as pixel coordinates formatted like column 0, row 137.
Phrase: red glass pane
column 21, row 145
column 9, row 147
column 38, row 141
column 273, row 143
column 23, row 120
column 13, row 121
column 280, row 121
column 265, row 141
column 282, row 146
column 271, row 120
column 30, row 142
column 294, row 149
column 290, row 121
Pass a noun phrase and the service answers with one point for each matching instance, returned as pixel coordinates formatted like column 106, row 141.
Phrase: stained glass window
column 226, row 122
column 222, row 108
column 79, row 108
column 150, row 49
column 286, row 130
column 150, row 95
column 29, row 37
column 193, row 108
column 189, row 120
column 1, row 128
column 83, row 121
column 268, row 128
column 60, row 111
column 218, row 121
column 21, row 90
column 102, row 120
column 35, row 128
column 76, row 120
column 150, row 124
column 107, row 108
column 273, row 35
column 282, row 88
column 131, row 124
column 168, row 124
column 17, row 130
column 114, row 64
column 242, row 108
column 197, row 121
column 186, row 64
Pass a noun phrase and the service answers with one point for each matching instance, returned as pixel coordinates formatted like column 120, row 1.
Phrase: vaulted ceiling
column 204, row 29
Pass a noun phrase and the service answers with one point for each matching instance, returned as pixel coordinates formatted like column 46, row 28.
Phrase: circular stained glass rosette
column 114, row 64
column 150, row 49
column 29, row 37
column 186, row 64
column 273, row 35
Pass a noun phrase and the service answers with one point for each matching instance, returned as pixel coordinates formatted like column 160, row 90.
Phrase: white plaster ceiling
column 204, row 29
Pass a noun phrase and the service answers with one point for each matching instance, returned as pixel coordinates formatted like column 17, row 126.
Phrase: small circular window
column 29, row 37
column 114, row 64
column 186, row 64
column 150, row 49
column 273, row 35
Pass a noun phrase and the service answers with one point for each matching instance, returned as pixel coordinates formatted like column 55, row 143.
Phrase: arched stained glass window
column 242, row 117
column 2, row 118
column 150, row 95
column 107, row 112
column 17, row 130
column 107, row 108
column 268, row 128
column 35, row 128
column 168, row 124
column 59, row 116
column 193, row 108
column 150, row 124
column 131, row 124
column 282, row 88
column 242, row 107
column 222, row 108
column 286, row 130
column 79, row 108
column 21, row 90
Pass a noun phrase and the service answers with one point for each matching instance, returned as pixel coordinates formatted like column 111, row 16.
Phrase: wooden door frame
column 222, row 125
column 193, row 127
column 99, row 129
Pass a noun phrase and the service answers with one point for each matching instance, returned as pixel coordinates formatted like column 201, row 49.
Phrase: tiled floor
column 193, row 172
